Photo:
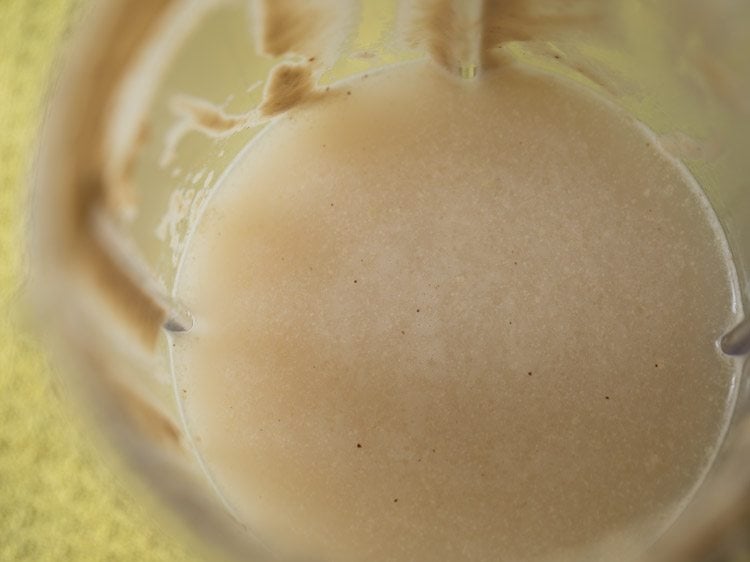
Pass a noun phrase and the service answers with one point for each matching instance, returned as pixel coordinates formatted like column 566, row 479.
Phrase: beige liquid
column 445, row 320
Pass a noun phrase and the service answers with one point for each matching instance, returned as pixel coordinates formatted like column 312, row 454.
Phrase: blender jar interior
column 159, row 98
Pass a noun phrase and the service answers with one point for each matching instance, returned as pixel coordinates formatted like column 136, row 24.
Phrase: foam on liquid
column 445, row 320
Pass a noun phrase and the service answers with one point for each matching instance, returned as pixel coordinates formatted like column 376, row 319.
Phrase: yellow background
column 58, row 499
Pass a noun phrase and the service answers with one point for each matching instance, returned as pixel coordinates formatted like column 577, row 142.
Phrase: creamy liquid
column 455, row 320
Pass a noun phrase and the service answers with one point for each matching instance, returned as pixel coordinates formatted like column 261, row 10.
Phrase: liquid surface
column 445, row 320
